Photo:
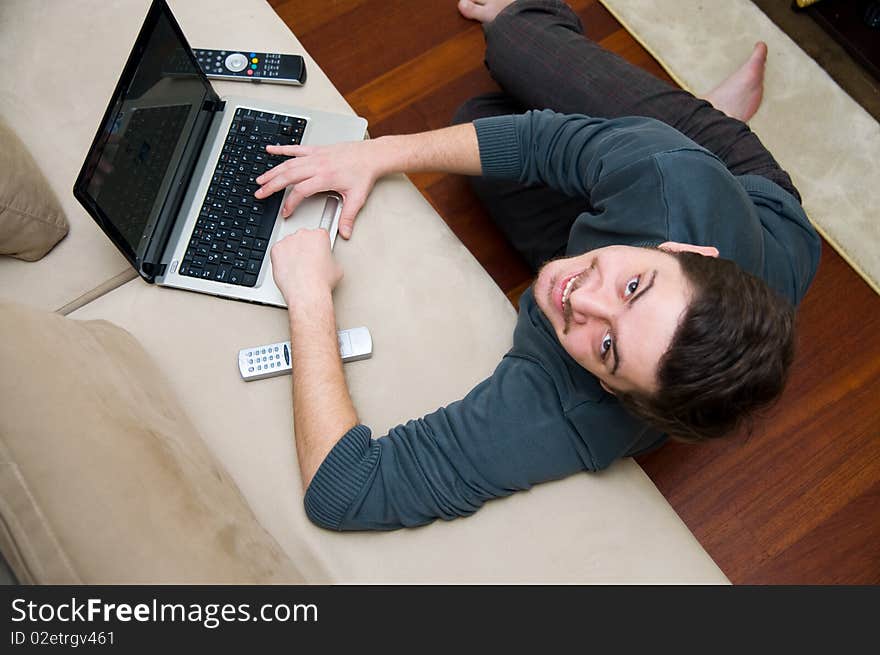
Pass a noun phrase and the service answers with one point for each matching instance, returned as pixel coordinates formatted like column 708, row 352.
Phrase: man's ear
column 607, row 388
column 675, row 246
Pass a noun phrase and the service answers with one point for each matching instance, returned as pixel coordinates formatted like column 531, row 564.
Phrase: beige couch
column 141, row 456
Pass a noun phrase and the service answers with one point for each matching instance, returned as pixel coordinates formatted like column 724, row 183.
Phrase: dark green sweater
column 541, row 416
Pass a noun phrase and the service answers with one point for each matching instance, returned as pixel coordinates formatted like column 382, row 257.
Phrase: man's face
column 615, row 310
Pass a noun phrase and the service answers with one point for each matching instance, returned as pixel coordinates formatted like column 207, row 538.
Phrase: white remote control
column 274, row 358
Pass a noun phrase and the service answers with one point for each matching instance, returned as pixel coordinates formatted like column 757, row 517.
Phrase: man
column 680, row 247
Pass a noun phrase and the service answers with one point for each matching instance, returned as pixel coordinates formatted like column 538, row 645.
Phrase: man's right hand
column 350, row 169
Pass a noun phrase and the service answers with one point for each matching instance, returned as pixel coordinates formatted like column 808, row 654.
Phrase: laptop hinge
column 214, row 105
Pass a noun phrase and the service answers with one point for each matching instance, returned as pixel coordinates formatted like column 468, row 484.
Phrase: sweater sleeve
column 570, row 153
column 507, row 434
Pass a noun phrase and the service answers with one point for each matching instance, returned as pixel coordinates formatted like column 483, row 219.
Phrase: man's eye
column 632, row 285
column 605, row 347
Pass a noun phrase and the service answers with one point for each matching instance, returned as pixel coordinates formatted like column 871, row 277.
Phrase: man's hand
column 303, row 266
column 350, row 169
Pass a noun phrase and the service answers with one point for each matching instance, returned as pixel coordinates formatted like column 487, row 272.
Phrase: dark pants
column 537, row 52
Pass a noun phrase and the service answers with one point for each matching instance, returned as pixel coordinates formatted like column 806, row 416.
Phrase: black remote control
column 247, row 66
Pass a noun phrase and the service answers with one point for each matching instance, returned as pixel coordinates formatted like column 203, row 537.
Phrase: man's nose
column 596, row 303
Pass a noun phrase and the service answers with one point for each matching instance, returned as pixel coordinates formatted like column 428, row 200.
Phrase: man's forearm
column 450, row 150
column 322, row 407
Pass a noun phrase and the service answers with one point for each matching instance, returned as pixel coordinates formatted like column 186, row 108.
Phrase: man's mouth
column 567, row 290
column 564, row 290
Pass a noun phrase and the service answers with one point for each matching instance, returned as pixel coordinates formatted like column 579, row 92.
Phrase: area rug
column 826, row 141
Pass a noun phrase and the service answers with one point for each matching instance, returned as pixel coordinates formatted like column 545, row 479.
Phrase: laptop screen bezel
column 158, row 9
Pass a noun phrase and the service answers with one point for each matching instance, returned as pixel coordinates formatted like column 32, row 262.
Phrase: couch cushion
column 31, row 222
column 412, row 283
column 103, row 479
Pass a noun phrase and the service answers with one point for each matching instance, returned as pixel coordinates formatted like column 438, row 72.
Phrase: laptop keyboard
column 232, row 233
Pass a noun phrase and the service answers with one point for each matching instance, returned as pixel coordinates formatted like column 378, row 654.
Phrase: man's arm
column 574, row 154
column 508, row 433
column 351, row 169
column 322, row 409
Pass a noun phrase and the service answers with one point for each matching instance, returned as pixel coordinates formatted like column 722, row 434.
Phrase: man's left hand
column 303, row 265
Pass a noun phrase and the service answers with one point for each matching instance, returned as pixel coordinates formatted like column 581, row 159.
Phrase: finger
column 274, row 181
column 350, row 208
column 289, row 151
column 299, row 193
column 278, row 169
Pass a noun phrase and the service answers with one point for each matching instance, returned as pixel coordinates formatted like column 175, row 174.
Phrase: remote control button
column 250, row 72
column 253, row 54
column 254, row 60
column 236, row 62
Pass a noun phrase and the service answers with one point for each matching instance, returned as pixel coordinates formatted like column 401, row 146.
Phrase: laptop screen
column 132, row 172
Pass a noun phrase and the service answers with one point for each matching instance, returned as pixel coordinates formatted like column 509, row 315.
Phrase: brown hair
column 728, row 357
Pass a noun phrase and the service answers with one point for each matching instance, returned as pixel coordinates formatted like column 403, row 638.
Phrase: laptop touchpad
column 317, row 211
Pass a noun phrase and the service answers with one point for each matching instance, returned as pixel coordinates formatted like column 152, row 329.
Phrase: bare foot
column 739, row 96
column 482, row 10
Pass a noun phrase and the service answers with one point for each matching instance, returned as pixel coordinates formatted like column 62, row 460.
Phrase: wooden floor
column 798, row 501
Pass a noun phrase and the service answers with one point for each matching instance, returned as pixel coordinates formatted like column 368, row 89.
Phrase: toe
column 473, row 10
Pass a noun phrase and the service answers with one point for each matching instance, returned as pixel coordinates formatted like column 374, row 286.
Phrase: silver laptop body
column 322, row 128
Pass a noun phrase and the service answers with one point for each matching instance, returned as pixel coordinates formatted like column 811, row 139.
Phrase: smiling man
column 670, row 249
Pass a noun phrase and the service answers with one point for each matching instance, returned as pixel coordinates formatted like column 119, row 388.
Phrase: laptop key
column 222, row 274
column 250, row 280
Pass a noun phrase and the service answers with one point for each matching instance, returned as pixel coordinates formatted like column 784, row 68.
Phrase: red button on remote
column 250, row 72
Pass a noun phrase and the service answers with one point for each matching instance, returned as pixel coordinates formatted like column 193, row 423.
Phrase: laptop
column 170, row 176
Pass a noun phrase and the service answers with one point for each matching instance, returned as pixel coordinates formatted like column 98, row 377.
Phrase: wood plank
column 305, row 17
column 376, row 37
column 841, row 550
column 419, row 76
column 436, row 110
